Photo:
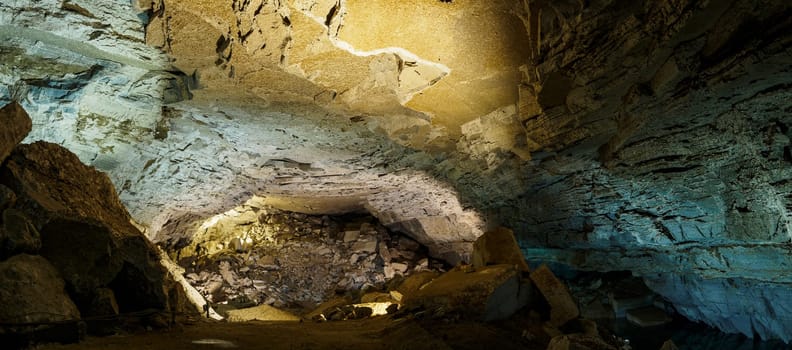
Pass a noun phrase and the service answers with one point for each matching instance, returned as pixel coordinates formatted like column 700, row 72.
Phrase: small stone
column 384, row 252
column 350, row 236
column 365, row 246
column 399, row 267
column 396, row 295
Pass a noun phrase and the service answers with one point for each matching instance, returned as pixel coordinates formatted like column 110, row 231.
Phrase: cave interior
column 387, row 174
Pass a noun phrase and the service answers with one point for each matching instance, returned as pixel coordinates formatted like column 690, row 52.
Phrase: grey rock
column 498, row 246
column 562, row 307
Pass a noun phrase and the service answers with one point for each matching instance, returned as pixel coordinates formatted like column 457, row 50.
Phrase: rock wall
column 662, row 146
column 182, row 146
column 69, row 251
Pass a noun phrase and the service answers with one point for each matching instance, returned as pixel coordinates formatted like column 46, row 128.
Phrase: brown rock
column 498, row 247
column 85, row 230
column 490, row 293
column 578, row 342
column 669, row 345
column 7, row 198
column 562, row 307
column 102, row 306
column 412, row 284
column 15, row 126
column 376, row 297
column 33, row 292
column 262, row 313
column 17, row 235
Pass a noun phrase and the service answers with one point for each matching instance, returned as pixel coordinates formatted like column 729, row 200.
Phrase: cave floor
column 374, row 333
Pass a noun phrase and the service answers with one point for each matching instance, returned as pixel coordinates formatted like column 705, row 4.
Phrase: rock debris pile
column 296, row 261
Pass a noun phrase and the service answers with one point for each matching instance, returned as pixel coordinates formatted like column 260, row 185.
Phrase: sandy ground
column 376, row 333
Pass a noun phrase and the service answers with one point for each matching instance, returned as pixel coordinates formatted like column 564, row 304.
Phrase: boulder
column 103, row 306
column 35, row 303
column 648, row 317
column 85, row 230
column 498, row 247
column 414, row 282
column 579, row 342
column 17, row 234
column 562, row 307
column 7, row 198
column 16, row 125
column 490, row 293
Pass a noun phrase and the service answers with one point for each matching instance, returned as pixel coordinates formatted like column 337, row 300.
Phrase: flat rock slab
column 262, row 313
column 648, row 317
column 489, row 293
column 562, row 307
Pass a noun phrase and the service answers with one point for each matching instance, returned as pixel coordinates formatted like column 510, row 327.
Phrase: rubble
column 296, row 261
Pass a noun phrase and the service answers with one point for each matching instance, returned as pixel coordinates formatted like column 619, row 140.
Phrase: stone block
column 562, row 307
column 498, row 246
column 648, row 317
column 490, row 293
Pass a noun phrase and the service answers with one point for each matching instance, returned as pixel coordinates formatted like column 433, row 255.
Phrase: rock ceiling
column 651, row 136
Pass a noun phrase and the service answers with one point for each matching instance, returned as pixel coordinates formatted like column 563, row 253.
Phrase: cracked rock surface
column 645, row 136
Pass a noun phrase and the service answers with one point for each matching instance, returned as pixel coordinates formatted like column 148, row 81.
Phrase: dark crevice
column 331, row 14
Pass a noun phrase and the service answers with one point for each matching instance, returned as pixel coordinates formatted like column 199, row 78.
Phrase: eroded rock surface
column 649, row 136
column 77, row 211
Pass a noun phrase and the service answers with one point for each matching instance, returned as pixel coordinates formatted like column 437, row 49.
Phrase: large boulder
column 34, row 303
column 16, row 125
column 17, row 234
column 562, row 307
column 489, row 293
column 498, row 246
column 7, row 198
column 85, row 230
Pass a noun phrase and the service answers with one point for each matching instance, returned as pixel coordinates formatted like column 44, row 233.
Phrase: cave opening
column 294, row 261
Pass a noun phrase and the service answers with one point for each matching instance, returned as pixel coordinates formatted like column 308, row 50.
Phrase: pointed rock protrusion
column 16, row 124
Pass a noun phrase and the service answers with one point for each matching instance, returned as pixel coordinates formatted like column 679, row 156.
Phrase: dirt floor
column 375, row 333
